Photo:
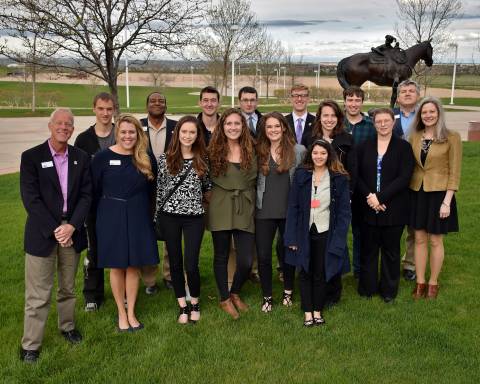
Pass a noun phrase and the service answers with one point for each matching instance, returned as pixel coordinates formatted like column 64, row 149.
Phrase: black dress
column 425, row 207
column 125, row 232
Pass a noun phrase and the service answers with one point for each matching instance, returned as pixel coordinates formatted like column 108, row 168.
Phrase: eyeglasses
column 299, row 96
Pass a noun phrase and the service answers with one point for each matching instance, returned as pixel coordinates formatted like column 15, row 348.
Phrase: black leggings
column 265, row 230
column 312, row 283
column 244, row 249
column 192, row 228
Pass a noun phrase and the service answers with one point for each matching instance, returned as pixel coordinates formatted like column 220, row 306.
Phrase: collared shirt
column 158, row 137
column 406, row 121
column 303, row 117
column 61, row 165
column 361, row 131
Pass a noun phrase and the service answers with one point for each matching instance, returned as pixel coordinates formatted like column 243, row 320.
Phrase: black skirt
column 425, row 212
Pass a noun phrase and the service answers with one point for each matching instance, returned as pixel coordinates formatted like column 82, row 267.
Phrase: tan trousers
column 149, row 272
column 408, row 258
column 39, row 282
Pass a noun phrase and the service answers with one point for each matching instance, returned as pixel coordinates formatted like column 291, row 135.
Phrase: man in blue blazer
column 159, row 130
column 408, row 95
column 55, row 186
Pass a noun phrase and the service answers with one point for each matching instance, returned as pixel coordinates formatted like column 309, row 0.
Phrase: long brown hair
column 285, row 151
column 174, row 153
column 333, row 164
column 218, row 148
column 140, row 158
column 317, row 125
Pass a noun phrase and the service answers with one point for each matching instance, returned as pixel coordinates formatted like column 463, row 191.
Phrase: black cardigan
column 397, row 169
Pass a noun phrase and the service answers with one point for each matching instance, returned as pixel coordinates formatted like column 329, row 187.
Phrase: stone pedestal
column 474, row 131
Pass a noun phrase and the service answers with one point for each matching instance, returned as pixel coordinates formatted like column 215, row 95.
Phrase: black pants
column 312, row 283
column 221, row 247
column 374, row 239
column 265, row 230
column 93, row 280
column 192, row 228
column 334, row 290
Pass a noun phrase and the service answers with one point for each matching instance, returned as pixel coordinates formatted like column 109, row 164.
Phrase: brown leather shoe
column 419, row 291
column 241, row 306
column 432, row 291
column 228, row 307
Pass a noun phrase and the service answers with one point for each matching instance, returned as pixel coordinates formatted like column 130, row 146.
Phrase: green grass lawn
column 461, row 81
column 364, row 341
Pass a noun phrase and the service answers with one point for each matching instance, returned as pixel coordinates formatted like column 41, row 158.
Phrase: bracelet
column 447, row 205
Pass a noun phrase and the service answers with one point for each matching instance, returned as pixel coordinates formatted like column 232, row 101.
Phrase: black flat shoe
column 72, row 336
column 124, row 330
column 29, row 356
column 139, row 327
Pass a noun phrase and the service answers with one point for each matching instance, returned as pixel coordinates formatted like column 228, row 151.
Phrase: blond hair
column 140, row 158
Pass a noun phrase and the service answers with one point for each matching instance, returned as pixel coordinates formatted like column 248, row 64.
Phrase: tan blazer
column 442, row 166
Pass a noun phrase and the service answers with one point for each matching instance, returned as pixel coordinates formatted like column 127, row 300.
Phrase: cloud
column 296, row 23
column 303, row 32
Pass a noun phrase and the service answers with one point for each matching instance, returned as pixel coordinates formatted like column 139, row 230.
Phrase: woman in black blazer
column 385, row 166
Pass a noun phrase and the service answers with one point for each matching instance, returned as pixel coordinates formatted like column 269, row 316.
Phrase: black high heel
column 183, row 311
column 287, row 299
column 194, row 308
column 267, row 304
column 319, row 320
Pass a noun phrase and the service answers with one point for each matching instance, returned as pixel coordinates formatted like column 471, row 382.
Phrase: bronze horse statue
column 358, row 68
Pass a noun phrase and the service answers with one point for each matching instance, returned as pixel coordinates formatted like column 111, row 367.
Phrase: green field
column 461, row 81
column 364, row 341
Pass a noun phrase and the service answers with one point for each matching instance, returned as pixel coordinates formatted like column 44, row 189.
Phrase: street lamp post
column 316, row 80
column 284, row 83
column 233, row 28
column 277, row 72
column 127, row 88
column 191, row 73
column 454, row 45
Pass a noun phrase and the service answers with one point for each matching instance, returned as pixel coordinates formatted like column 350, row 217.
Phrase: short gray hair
column 406, row 83
column 61, row 109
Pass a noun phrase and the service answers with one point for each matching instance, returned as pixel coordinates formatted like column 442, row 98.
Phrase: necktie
column 298, row 130
column 250, row 124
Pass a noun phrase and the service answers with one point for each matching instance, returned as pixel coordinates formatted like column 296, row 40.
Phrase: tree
column 270, row 52
column 233, row 31
column 27, row 37
column 92, row 35
column 426, row 20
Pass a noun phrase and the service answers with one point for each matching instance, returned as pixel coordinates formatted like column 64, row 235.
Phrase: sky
column 328, row 30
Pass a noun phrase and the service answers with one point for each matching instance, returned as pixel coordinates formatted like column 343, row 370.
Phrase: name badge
column 75, row 162
column 115, row 162
column 397, row 116
column 145, row 129
column 47, row 164
column 315, row 203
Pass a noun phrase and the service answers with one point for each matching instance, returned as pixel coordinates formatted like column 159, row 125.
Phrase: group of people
column 249, row 179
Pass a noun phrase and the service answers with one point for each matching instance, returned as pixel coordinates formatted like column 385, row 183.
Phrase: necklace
column 426, row 143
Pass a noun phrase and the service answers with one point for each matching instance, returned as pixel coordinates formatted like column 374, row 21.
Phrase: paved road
column 19, row 134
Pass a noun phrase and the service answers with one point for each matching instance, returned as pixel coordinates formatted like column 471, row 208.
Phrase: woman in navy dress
column 122, row 176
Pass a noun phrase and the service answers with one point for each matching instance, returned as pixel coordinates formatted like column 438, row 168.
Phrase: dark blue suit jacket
column 43, row 200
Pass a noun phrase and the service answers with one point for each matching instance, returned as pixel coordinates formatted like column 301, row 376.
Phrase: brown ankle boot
column 241, row 306
column 432, row 291
column 419, row 291
column 228, row 307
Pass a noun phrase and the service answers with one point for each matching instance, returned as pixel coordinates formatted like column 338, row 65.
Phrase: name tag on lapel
column 397, row 116
column 145, row 129
column 115, row 162
column 47, row 164
column 75, row 162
